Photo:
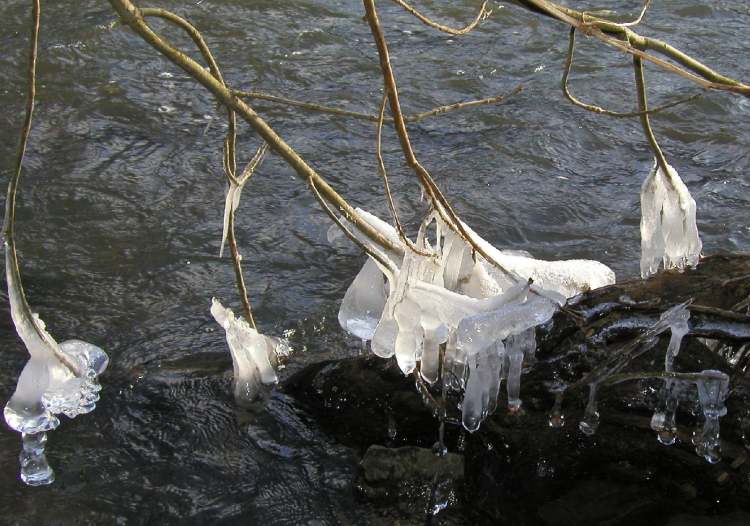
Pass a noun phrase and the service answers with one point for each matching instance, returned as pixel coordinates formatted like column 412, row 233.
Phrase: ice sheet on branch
column 669, row 233
column 57, row 379
column 454, row 297
column 253, row 354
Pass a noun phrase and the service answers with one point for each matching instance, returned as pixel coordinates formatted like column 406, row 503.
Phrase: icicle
column 363, row 302
column 669, row 231
column 663, row 420
column 35, row 471
column 712, row 391
column 517, row 346
column 472, row 408
column 435, row 334
column 591, row 415
column 251, row 351
column 556, row 417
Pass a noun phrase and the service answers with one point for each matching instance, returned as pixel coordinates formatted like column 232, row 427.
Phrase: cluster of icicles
column 445, row 307
column 711, row 386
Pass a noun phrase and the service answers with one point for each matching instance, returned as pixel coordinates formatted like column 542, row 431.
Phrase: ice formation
column 449, row 307
column 663, row 419
column 253, row 354
column 57, row 379
column 231, row 203
column 669, row 233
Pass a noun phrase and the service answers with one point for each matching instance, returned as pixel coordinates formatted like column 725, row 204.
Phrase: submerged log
column 519, row 469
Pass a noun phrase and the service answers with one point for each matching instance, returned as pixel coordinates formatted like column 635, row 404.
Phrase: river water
column 119, row 217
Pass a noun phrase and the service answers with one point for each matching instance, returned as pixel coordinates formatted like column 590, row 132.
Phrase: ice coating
column 57, row 379
column 669, row 232
column 446, row 294
column 252, row 353
column 712, row 391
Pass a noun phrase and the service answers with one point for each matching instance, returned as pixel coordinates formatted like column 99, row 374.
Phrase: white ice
column 57, row 379
column 452, row 296
column 252, row 353
column 669, row 232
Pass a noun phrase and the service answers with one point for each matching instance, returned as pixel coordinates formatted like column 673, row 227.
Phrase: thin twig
column 640, row 17
column 389, row 197
column 439, row 202
column 483, row 13
column 417, row 117
column 237, row 260
column 640, row 86
column 598, row 109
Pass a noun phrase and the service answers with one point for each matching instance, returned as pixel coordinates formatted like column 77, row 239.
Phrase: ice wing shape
column 252, row 353
column 231, row 203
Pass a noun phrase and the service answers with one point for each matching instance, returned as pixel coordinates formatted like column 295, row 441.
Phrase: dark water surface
column 120, row 215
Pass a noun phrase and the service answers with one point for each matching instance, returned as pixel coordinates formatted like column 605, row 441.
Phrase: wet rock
column 517, row 469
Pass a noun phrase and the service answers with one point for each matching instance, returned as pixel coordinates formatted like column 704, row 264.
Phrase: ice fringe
column 253, row 354
column 57, row 379
column 453, row 297
column 669, row 233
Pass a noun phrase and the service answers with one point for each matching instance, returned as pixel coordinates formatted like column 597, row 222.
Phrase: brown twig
column 640, row 85
column 417, row 117
column 437, row 198
column 483, row 13
column 389, row 197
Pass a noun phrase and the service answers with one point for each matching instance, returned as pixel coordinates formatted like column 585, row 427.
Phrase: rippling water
column 121, row 206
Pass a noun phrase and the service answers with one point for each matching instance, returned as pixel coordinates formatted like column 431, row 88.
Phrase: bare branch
column 483, row 13
column 374, row 118
column 598, row 109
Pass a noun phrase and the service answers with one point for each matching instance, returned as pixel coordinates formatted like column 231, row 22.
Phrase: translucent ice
column 252, row 353
column 232, row 201
column 669, row 232
column 58, row 378
column 363, row 302
column 516, row 347
column 712, row 391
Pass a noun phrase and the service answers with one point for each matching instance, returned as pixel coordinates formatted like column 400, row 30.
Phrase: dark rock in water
column 519, row 470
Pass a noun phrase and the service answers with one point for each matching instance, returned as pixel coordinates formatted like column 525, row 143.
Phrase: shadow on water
column 119, row 220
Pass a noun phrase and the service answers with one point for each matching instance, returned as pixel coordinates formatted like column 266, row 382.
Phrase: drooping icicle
column 712, row 391
column 363, row 302
column 590, row 421
column 473, row 407
column 252, row 353
column 516, row 347
column 669, row 232
column 664, row 418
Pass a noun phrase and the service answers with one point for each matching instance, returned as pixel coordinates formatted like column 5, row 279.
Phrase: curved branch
column 483, row 13
column 598, row 109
